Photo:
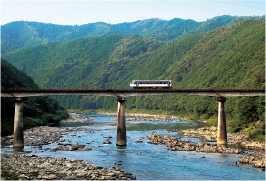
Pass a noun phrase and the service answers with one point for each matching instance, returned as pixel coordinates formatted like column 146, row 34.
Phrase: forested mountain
column 27, row 34
column 230, row 57
column 37, row 111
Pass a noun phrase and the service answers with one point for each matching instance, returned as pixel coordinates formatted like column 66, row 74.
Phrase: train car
column 151, row 84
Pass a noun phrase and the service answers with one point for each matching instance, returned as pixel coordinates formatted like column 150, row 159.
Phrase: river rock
column 139, row 141
column 74, row 147
column 259, row 164
column 107, row 141
column 248, row 159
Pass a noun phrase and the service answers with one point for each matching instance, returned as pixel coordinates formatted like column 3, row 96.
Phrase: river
column 149, row 161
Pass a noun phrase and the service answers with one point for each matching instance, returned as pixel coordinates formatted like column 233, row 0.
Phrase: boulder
column 107, row 141
column 74, row 147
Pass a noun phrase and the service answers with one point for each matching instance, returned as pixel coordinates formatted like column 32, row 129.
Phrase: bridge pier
column 221, row 134
column 121, row 137
column 18, row 138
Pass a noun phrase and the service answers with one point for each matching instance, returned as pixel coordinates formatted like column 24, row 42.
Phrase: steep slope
column 27, row 34
column 37, row 111
column 223, row 58
column 232, row 57
column 99, row 62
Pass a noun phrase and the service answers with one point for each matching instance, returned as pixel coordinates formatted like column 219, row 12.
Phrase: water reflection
column 18, row 150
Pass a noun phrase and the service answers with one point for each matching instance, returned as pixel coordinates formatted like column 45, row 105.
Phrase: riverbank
column 132, row 113
column 16, row 166
column 144, row 117
column 76, row 118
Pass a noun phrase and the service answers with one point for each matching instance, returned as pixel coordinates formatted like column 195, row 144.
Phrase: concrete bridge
column 121, row 94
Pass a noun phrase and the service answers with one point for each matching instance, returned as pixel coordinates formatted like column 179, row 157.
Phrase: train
column 151, row 84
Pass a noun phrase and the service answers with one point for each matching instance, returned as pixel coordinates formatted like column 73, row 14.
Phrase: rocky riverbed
column 77, row 118
column 257, row 162
column 210, row 134
column 15, row 167
column 46, row 135
column 176, row 144
column 42, row 135
column 256, row 158
column 143, row 117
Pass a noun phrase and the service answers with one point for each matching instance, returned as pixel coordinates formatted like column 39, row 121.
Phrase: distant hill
column 232, row 57
column 21, row 34
column 37, row 111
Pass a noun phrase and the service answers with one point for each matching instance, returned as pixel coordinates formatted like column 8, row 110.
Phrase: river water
column 148, row 161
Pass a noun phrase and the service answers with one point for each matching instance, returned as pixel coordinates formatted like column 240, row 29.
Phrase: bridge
column 121, row 94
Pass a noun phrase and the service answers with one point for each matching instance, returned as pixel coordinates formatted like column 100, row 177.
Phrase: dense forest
column 21, row 34
column 37, row 111
column 225, row 57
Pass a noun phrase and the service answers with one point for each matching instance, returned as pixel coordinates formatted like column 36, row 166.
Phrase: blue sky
column 113, row 12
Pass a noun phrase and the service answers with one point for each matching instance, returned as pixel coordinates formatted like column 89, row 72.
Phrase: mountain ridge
column 27, row 34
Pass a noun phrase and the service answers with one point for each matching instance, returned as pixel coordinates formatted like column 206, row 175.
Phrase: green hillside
column 230, row 57
column 37, row 111
column 21, row 34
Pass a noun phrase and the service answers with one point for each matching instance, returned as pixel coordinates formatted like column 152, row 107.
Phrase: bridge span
column 121, row 94
column 132, row 92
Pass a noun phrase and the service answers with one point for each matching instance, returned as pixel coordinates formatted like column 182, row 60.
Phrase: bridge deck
column 132, row 92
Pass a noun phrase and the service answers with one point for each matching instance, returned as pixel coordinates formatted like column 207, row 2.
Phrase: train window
column 143, row 82
column 134, row 82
